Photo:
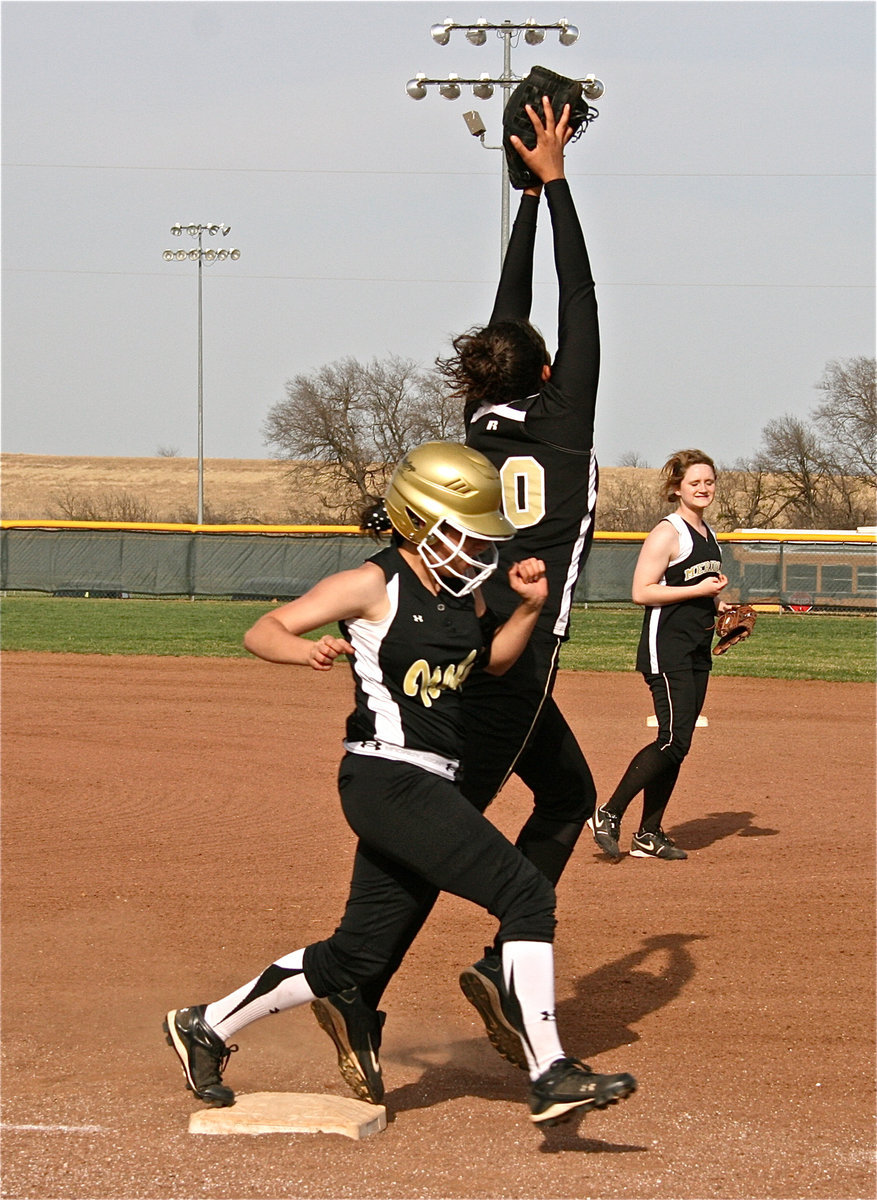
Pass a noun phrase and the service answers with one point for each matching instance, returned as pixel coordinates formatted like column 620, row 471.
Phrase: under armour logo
column 492, row 425
column 548, row 1016
column 417, row 617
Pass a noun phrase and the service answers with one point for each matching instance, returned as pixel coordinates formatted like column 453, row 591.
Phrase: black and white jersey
column 409, row 667
column 549, row 494
column 675, row 635
column 542, row 445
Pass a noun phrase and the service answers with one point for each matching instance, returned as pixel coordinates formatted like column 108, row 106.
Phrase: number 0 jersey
column 549, row 495
column 409, row 667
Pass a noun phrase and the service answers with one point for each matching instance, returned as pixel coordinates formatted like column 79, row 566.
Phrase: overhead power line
column 349, row 171
column 408, row 279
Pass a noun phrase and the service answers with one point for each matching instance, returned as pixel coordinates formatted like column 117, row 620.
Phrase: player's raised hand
column 546, row 158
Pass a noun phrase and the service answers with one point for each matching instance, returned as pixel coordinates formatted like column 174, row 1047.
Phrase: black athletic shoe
column 655, row 845
column 202, row 1052
column 570, row 1084
column 483, row 987
column 606, row 828
column 356, row 1031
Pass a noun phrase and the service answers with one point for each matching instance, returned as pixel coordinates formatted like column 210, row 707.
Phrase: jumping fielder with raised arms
column 534, row 419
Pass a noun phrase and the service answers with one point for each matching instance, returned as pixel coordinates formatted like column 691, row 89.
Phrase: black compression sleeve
column 514, row 295
column 577, row 362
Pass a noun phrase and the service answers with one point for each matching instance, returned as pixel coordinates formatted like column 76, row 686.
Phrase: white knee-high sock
column 280, row 986
column 528, row 972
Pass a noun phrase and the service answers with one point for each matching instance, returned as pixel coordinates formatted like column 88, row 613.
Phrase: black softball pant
column 678, row 697
column 514, row 726
column 418, row 836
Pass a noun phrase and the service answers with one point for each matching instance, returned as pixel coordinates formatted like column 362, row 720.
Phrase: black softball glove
column 560, row 91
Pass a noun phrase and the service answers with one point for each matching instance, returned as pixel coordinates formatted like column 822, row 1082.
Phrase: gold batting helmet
column 443, row 486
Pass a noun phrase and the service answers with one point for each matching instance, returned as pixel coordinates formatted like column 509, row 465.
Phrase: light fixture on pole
column 200, row 255
column 568, row 34
column 451, row 89
column 477, row 33
column 592, row 87
column 483, row 87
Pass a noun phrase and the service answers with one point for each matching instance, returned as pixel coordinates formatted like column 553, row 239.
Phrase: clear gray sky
column 726, row 192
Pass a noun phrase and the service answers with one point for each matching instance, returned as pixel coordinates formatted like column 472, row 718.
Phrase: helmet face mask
column 442, row 493
column 453, row 567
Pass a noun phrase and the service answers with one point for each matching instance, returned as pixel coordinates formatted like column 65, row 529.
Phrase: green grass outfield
column 783, row 646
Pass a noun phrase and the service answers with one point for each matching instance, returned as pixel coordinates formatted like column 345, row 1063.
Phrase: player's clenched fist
column 326, row 650
column 528, row 579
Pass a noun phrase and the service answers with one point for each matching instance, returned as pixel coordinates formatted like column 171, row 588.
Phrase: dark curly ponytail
column 374, row 519
column 495, row 364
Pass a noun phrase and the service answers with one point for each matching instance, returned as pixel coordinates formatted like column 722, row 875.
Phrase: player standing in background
column 534, row 419
column 678, row 578
column 414, row 622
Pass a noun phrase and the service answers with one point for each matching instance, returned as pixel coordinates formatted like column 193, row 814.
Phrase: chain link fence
column 822, row 571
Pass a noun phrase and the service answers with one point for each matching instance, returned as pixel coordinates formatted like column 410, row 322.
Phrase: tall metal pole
column 200, row 519
column 506, row 92
column 197, row 231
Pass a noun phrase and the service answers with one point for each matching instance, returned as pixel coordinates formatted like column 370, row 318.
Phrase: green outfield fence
column 830, row 571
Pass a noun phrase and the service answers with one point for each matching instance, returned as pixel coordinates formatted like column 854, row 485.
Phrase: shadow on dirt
column 704, row 831
column 698, row 833
column 618, row 995
column 563, row 1138
column 448, row 1082
column 608, row 1003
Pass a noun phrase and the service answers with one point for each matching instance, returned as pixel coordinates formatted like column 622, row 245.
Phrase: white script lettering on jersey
column 429, row 683
column 703, row 568
column 492, row 425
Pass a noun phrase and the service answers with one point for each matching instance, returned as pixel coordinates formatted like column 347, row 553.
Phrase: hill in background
column 259, row 491
column 36, row 486
column 267, row 492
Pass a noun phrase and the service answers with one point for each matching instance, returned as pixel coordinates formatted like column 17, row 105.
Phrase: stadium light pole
column 483, row 87
column 200, row 255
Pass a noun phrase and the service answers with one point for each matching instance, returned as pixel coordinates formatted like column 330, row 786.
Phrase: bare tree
column 351, row 422
column 810, row 487
column 847, row 417
column 792, row 454
column 745, row 497
column 106, row 505
column 630, row 503
column 632, row 458
column 443, row 411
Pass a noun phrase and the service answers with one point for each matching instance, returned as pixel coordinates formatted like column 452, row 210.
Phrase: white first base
column 701, row 722
column 292, row 1112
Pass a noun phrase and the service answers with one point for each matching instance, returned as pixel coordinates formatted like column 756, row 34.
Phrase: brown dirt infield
column 171, row 825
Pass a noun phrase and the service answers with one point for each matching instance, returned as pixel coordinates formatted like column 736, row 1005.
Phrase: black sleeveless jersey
column 409, row 667
column 542, row 445
column 677, row 635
